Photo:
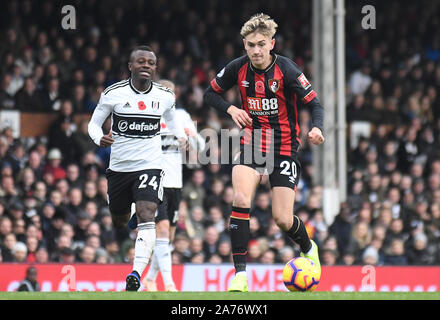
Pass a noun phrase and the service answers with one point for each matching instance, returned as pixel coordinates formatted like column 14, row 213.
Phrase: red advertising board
column 209, row 277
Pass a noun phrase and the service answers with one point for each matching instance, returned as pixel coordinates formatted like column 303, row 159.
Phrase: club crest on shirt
column 259, row 87
column 274, row 85
column 155, row 105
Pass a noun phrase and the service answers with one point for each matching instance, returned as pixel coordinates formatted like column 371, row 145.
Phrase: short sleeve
column 227, row 77
column 298, row 82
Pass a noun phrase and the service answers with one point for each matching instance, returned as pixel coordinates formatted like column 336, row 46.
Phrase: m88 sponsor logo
column 262, row 106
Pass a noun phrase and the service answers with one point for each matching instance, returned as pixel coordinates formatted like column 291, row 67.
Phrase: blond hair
column 260, row 23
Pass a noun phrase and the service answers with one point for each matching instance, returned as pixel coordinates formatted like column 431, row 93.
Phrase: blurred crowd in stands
column 53, row 201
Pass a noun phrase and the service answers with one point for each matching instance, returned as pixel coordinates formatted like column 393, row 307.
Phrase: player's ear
column 244, row 42
column 129, row 66
column 272, row 43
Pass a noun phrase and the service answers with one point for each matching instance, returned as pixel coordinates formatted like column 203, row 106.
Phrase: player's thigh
column 147, row 186
column 245, row 180
column 119, row 196
column 147, row 192
column 284, row 180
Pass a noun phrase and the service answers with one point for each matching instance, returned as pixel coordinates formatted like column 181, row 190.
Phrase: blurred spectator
column 370, row 256
column 360, row 80
column 42, row 255
column 7, row 248
column 53, row 167
column 19, row 252
column 396, row 255
column 87, row 255
column 419, row 253
column 361, row 237
column 27, row 98
column 210, row 241
column 81, row 141
column 181, row 247
column 262, row 211
column 329, row 257
column 193, row 191
column 61, row 130
column 30, row 282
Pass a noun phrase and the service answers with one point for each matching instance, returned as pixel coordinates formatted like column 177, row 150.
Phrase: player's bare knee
column 242, row 200
column 145, row 211
column 284, row 223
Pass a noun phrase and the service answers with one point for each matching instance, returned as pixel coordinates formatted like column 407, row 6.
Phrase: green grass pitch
column 219, row 296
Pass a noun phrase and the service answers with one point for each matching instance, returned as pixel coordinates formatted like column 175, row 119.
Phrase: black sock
column 240, row 234
column 298, row 233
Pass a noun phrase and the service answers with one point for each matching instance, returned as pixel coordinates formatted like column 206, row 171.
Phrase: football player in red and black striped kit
column 271, row 89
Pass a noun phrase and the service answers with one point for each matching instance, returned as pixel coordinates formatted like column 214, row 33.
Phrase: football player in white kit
column 136, row 106
column 167, row 212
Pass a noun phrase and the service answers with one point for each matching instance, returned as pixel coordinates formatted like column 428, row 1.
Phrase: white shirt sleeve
column 197, row 142
column 102, row 111
column 174, row 124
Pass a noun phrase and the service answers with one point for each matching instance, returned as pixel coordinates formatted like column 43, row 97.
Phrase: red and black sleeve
column 298, row 82
column 225, row 80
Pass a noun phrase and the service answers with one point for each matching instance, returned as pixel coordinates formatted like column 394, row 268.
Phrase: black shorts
column 169, row 208
column 124, row 188
column 283, row 171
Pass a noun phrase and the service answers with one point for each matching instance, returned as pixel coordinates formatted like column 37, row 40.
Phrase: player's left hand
column 315, row 136
column 183, row 144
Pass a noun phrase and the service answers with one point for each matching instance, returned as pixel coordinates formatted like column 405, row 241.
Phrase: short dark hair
column 140, row 48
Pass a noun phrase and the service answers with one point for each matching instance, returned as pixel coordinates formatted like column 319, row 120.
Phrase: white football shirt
column 135, row 123
column 172, row 157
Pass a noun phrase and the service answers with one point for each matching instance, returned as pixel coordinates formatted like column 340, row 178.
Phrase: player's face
column 258, row 47
column 142, row 65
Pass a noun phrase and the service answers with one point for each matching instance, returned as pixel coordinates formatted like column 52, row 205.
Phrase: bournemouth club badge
column 274, row 85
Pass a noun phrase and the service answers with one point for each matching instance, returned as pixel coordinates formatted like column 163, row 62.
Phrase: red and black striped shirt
column 271, row 97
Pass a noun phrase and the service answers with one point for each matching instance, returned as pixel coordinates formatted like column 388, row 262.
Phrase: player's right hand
column 239, row 116
column 183, row 144
column 107, row 140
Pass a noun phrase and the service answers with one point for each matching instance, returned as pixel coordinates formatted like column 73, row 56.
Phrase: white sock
column 154, row 266
column 163, row 254
column 310, row 251
column 143, row 247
